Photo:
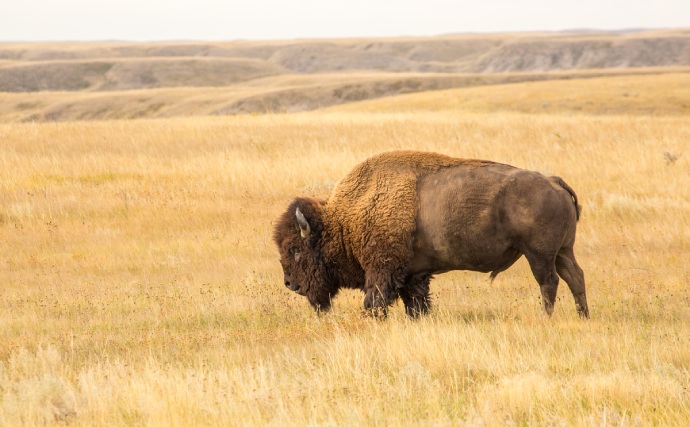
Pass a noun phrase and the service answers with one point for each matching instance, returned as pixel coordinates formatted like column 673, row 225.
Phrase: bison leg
column 567, row 268
column 544, row 271
column 415, row 295
column 381, row 291
column 375, row 303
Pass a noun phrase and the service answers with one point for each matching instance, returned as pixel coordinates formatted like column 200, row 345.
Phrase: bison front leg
column 381, row 291
column 415, row 295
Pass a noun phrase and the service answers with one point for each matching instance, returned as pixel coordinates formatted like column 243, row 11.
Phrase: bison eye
column 297, row 255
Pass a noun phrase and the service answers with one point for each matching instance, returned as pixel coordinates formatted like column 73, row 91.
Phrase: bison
column 401, row 217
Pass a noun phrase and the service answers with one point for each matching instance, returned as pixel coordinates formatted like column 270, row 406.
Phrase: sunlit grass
column 140, row 284
column 653, row 94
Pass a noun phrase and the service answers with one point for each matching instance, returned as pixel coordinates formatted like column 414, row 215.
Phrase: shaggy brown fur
column 398, row 218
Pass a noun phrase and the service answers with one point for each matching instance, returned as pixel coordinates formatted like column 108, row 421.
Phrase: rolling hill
column 106, row 80
column 665, row 94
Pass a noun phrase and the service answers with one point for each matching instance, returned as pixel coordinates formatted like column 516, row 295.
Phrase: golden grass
column 140, row 284
column 615, row 94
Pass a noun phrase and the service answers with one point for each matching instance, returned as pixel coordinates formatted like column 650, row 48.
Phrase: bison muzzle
column 398, row 218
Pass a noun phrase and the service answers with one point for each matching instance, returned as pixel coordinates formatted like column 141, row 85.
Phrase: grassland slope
column 652, row 94
column 645, row 92
column 117, row 80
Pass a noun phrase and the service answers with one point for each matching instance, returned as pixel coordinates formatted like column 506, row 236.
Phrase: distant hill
column 131, row 73
column 114, row 66
column 299, row 75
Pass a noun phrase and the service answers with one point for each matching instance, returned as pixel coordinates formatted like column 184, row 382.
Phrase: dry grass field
column 140, row 285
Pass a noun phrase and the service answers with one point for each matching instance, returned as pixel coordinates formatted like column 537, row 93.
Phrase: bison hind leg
column 567, row 268
column 415, row 295
column 544, row 270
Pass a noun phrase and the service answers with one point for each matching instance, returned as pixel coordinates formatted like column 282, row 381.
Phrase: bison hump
column 376, row 204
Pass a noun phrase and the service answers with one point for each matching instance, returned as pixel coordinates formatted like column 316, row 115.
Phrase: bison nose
column 291, row 284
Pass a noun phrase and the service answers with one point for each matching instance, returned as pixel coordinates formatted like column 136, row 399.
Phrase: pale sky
column 153, row 20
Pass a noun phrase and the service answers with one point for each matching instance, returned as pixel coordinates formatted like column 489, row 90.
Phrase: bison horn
column 304, row 227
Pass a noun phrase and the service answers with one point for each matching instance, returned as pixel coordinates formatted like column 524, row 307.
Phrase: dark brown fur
column 400, row 217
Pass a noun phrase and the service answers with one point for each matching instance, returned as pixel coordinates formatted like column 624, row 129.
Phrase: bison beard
column 398, row 218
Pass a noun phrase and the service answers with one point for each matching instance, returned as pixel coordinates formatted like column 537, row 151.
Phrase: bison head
column 301, row 239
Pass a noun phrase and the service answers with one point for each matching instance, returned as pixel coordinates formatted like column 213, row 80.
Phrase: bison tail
column 566, row 187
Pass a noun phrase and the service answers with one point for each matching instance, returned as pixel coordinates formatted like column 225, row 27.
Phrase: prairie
column 140, row 284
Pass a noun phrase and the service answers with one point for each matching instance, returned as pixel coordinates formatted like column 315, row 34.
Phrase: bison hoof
column 416, row 312
column 583, row 313
column 379, row 313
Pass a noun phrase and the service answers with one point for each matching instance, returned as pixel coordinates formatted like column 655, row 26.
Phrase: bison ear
column 304, row 227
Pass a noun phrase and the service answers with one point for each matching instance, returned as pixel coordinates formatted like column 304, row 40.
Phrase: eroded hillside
column 73, row 81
